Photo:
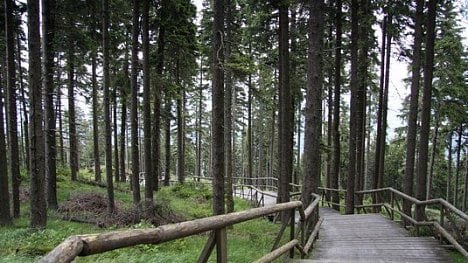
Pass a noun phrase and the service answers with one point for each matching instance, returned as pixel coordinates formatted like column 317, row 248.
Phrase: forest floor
column 246, row 241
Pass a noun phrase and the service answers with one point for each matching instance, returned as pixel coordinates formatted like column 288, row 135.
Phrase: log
column 98, row 243
column 65, row 252
column 278, row 252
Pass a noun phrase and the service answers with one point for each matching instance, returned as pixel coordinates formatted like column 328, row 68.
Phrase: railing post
column 221, row 245
column 416, row 207
column 392, row 201
column 442, row 215
column 291, row 233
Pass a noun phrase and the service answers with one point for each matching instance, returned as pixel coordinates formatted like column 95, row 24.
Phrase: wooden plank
column 371, row 238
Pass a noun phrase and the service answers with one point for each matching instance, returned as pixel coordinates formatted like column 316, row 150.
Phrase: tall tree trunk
column 97, row 161
column 379, row 147
column 59, row 116
column 465, row 181
column 426, row 110
column 147, row 108
column 228, row 109
column 298, row 174
column 167, row 138
column 363, row 62
column 353, row 109
column 383, row 107
column 123, row 130
column 286, row 113
column 71, row 110
column 10, row 100
column 408, row 182
column 249, row 129
column 48, row 34
column 156, row 141
column 272, row 143
column 329, row 125
column 23, row 101
column 199, row 123
column 116, row 136
column 180, row 130
column 383, row 138
column 313, row 111
column 123, row 145
column 134, row 107
column 217, row 125
column 449, row 167
column 433, row 153
column 107, row 120
column 5, row 213
column 38, row 203
column 458, row 166
column 335, row 169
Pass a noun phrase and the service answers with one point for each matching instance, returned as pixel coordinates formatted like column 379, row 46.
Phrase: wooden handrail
column 434, row 224
column 83, row 245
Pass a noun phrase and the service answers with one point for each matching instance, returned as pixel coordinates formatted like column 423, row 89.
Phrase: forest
column 139, row 95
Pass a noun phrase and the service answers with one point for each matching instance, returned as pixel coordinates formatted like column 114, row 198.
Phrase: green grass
column 246, row 241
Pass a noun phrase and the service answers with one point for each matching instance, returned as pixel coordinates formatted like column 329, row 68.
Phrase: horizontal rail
column 84, row 245
column 278, row 252
column 434, row 224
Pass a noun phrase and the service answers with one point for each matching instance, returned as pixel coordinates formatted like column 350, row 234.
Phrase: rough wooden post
column 291, row 233
column 442, row 215
column 221, row 245
column 303, row 230
column 392, row 201
column 206, row 252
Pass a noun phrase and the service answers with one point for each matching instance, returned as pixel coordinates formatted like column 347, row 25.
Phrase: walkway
column 371, row 238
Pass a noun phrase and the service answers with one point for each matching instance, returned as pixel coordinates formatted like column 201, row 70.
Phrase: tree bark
column 5, row 213
column 353, row 109
column 408, row 182
column 433, row 153
column 97, row 161
column 167, row 144
column 38, row 203
column 156, row 141
column 23, row 102
column 198, row 162
column 378, row 141
column 217, row 125
column 10, row 100
column 123, row 129
column 48, row 34
column 335, row 169
column 458, row 166
column 134, row 107
column 313, row 111
column 421, row 180
column 449, row 167
column 147, row 108
column 249, row 128
column 180, row 130
column 228, row 109
column 71, row 109
column 115, row 136
column 107, row 120
column 363, row 63
column 286, row 113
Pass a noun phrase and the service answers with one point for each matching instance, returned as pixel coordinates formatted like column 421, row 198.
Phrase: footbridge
column 380, row 231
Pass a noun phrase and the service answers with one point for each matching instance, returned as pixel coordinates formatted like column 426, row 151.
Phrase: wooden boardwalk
column 371, row 238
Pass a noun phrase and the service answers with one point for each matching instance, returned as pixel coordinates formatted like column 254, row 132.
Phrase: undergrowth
column 246, row 241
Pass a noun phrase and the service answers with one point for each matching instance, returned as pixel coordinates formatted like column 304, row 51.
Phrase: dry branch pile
column 92, row 208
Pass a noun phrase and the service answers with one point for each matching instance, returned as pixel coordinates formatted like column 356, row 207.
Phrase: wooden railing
column 302, row 239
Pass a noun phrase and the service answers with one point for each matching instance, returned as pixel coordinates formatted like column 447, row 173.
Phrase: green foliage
column 191, row 200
